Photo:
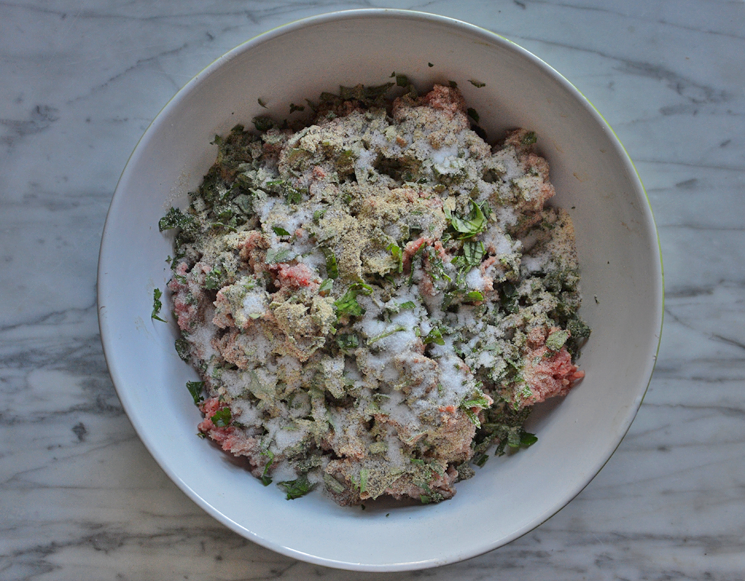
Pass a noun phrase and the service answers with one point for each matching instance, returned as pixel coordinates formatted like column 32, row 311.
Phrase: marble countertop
column 81, row 498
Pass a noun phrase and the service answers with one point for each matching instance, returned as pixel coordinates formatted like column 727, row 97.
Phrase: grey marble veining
column 81, row 498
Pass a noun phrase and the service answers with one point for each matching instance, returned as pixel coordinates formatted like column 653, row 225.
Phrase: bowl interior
column 595, row 181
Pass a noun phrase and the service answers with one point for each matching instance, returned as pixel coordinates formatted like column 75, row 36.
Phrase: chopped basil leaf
column 348, row 341
column 294, row 108
column 397, row 254
column 175, row 218
column 182, row 349
column 332, row 268
column 473, row 417
column 453, row 84
column 527, row 439
column 473, row 114
column 296, row 488
column 222, row 418
column 348, row 305
column 157, row 305
column 430, row 65
column 195, row 389
column 275, row 255
column 214, row 279
column 263, row 123
column 529, row 138
column 473, row 252
column 279, row 231
column 326, row 286
column 556, row 340
column 292, row 195
column 333, row 484
column 474, row 296
column 402, row 80
column 470, row 225
column 480, row 460
column 266, row 480
column 478, row 402
column 434, row 336
column 476, row 84
column 407, row 305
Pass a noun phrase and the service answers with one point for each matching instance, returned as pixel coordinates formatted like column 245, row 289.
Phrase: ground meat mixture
column 374, row 297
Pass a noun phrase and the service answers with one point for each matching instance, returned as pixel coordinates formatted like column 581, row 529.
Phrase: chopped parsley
column 476, row 84
column 279, row 231
column 157, row 305
column 266, row 480
column 296, row 488
column 222, row 418
column 195, row 389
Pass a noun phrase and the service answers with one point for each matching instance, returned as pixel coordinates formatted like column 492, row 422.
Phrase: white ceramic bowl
column 595, row 180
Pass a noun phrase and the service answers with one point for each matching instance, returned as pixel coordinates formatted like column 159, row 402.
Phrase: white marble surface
column 80, row 497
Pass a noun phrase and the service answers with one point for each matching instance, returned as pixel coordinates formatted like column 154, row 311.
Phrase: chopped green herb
column 473, row 114
column 476, row 84
column 296, row 488
column 348, row 305
column 407, row 305
column 222, row 418
column 430, row 65
column 294, row 108
column 182, row 348
column 348, row 341
column 279, row 231
column 263, row 123
column 474, row 296
column 556, row 340
column 195, row 389
column 333, row 484
column 453, row 84
column 262, row 103
column 385, row 334
column 175, row 218
column 473, row 417
column 473, row 252
column 332, row 267
column 469, row 225
column 292, row 195
column 527, row 439
column 434, row 336
column 529, row 138
column 214, row 279
column 402, row 80
column 397, row 254
column 326, row 286
column 266, row 480
column 277, row 255
column 157, row 305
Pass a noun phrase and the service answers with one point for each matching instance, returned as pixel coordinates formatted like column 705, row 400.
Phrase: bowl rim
column 107, row 332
